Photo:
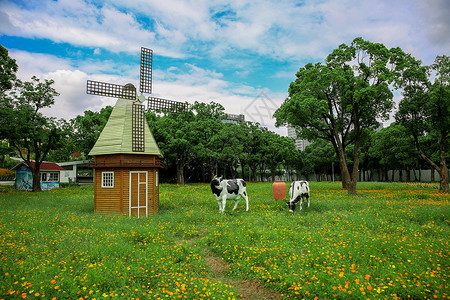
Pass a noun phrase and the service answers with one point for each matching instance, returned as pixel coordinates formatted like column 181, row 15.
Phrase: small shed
column 127, row 162
column 50, row 176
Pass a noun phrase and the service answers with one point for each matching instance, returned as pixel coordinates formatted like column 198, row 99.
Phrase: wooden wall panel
column 116, row 200
column 107, row 200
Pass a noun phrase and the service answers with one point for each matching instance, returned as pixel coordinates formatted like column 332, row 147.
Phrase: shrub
column 4, row 173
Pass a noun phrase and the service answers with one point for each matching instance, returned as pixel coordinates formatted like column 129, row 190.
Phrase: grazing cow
column 232, row 189
column 298, row 191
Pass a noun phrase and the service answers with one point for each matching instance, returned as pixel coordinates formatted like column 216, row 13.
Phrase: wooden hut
column 127, row 163
column 50, row 176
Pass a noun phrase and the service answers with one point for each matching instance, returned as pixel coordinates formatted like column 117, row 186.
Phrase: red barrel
column 279, row 190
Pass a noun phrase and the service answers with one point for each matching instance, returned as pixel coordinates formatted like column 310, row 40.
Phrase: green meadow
column 389, row 242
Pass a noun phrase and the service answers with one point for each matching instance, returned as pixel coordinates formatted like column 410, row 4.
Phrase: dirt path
column 248, row 289
column 218, row 269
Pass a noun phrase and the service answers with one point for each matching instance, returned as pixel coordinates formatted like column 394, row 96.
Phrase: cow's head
column 216, row 180
column 291, row 205
column 215, row 185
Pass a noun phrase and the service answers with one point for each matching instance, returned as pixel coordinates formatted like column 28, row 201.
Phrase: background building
column 300, row 144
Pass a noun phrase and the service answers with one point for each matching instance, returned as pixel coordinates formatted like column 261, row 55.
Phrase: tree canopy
column 425, row 108
column 27, row 130
column 335, row 101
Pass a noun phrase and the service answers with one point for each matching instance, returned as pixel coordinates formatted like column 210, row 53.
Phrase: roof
column 116, row 137
column 75, row 162
column 45, row 166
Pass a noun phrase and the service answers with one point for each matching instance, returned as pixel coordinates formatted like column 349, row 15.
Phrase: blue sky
column 242, row 54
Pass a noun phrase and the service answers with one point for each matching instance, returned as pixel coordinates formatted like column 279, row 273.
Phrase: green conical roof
column 116, row 137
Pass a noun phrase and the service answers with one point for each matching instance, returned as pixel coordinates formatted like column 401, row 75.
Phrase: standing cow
column 298, row 191
column 232, row 189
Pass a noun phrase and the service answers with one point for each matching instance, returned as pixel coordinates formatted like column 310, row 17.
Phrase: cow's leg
column 220, row 205
column 308, row 201
column 236, row 203
column 224, row 202
column 246, row 200
column 301, row 203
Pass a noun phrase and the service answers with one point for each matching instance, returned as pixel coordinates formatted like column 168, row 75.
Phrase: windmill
column 127, row 158
column 128, row 91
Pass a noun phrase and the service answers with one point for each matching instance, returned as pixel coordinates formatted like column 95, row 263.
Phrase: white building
column 300, row 144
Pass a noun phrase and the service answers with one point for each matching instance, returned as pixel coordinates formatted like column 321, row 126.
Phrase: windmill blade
column 145, row 85
column 158, row 104
column 109, row 90
column 138, row 128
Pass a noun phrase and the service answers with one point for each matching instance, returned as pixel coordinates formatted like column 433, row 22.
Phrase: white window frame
column 108, row 180
column 52, row 175
column 49, row 176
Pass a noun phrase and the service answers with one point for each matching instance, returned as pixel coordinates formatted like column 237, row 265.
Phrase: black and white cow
column 298, row 191
column 232, row 189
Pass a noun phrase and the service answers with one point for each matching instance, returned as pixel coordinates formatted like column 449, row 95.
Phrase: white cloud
column 31, row 64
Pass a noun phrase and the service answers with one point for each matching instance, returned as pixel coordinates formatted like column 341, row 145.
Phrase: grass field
column 390, row 242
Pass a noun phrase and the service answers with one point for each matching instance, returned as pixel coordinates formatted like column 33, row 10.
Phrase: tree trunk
column 180, row 172
column 443, row 183
column 243, row 170
column 356, row 157
column 386, row 175
column 408, row 173
column 442, row 168
column 420, row 173
column 36, row 172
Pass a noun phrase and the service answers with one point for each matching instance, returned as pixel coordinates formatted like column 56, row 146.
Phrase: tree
column 87, row 129
column 337, row 100
column 31, row 134
column 391, row 146
column 205, row 128
column 425, row 108
column 172, row 133
column 276, row 150
column 254, row 148
column 318, row 158
column 8, row 69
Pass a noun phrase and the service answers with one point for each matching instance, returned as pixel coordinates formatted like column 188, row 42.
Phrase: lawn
column 389, row 242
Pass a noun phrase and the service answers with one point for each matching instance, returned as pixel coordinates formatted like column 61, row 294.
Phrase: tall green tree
column 276, row 151
column 32, row 134
column 254, row 148
column 204, row 134
column 318, row 158
column 87, row 129
column 173, row 135
column 425, row 108
column 335, row 101
column 391, row 146
column 8, row 69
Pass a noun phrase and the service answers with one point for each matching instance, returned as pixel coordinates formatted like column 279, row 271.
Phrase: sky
column 241, row 54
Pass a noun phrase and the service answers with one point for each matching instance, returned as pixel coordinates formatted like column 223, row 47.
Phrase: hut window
column 49, row 177
column 107, row 179
column 53, row 177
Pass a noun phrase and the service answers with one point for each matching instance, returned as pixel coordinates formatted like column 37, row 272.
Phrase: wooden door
column 138, row 196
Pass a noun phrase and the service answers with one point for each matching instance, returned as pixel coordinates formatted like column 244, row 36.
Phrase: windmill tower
column 127, row 159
